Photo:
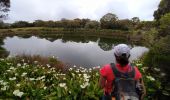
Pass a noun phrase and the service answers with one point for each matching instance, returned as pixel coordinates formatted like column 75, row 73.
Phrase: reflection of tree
column 104, row 43
column 25, row 36
column 82, row 39
column 51, row 38
column 77, row 38
column 3, row 51
column 105, row 46
column 107, row 43
column 74, row 39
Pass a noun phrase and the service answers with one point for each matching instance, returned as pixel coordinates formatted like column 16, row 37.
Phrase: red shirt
column 106, row 71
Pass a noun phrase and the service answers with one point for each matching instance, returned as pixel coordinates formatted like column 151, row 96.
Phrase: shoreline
column 55, row 32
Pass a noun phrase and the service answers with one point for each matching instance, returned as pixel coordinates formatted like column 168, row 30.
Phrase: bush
column 159, row 57
column 164, row 28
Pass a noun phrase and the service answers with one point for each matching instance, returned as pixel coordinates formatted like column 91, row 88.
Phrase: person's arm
column 140, row 83
column 141, row 89
column 102, row 81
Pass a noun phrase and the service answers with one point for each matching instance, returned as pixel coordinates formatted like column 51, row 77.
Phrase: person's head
column 122, row 54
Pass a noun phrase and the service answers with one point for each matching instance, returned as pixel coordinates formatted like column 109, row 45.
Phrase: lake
column 79, row 51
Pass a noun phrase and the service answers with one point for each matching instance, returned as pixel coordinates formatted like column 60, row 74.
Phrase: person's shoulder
column 137, row 72
column 106, row 70
column 136, row 68
column 106, row 66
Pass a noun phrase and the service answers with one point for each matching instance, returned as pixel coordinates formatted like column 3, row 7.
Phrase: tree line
column 108, row 21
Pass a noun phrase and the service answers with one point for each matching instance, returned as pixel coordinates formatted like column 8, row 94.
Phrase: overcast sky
column 30, row 10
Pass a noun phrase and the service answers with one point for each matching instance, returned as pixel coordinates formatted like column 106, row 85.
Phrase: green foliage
column 111, row 21
column 39, row 23
column 164, row 7
column 108, row 21
column 124, row 24
column 19, row 24
column 3, row 25
column 146, row 25
column 3, row 52
column 50, row 24
column 150, row 37
column 31, row 81
column 165, row 21
column 153, row 84
column 159, row 57
column 164, row 27
column 35, row 81
column 92, row 25
column 156, row 53
column 135, row 20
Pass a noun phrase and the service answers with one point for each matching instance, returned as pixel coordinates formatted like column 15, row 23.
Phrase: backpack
column 124, row 84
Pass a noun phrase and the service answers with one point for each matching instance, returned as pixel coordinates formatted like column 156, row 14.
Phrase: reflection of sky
column 138, row 51
column 82, row 54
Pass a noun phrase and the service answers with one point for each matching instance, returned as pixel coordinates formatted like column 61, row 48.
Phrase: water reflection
column 3, row 52
column 86, row 51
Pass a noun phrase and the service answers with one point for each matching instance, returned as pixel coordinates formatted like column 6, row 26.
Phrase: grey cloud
column 31, row 10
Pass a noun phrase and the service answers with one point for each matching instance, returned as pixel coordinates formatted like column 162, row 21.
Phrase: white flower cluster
column 12, row 79
column 63, row 85
column 18, row 93
column 38, row 78
column 48, row 65
column 84, row 85
column 151, row 78
column 86, row 79
column 157, row 69
column 4, row 84
column 18, row 64
column 23, row 74
column 12, row 68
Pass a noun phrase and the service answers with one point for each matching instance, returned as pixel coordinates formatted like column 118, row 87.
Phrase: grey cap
column 122, row 49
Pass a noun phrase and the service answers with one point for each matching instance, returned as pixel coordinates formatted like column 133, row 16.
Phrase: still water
column 90, row 53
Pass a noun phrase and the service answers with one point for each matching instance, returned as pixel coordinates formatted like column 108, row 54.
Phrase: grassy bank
column 55, row 32
column 20, row 79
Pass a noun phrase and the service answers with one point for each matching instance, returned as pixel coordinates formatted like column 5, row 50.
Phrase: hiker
column 122, row 80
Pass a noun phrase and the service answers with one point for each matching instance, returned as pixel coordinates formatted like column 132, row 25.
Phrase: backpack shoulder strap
column 132, row 72
column 115, row 70
column 118, row 74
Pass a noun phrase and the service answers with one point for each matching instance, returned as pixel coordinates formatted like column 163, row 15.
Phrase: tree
column 50, row 24
column 39, row 23
column 64, row 22
column 92, row 24
column 83, row 22
column 1, row 24
column 159, row 57
column 146, row 25
column 124, row 24
column 4, row 8
column 109, row 21
column 19, row 24
column 164, row 28
column 163, row 8
column 135, row 20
